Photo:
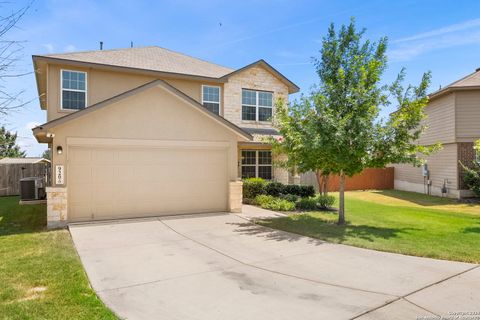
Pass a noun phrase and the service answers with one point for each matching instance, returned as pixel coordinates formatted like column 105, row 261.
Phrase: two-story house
column 453, row 119
column 147, row 131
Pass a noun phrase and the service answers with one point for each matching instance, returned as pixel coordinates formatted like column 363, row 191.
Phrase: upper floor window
column 211, row 98
column 257, row 105
column 74, row 90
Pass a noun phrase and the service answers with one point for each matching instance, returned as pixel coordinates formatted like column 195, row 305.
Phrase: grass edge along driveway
column 41, row 274
column 395, row 221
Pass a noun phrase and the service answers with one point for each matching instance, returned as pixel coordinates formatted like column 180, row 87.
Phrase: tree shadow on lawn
column 471, row 230
column 316, row 228
column 421, row 199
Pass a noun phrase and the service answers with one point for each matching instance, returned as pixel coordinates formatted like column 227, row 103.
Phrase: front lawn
column 41, row 276
column 396, row 221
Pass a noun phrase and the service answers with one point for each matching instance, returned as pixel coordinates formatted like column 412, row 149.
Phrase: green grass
column 41, row 276
column 396, row 221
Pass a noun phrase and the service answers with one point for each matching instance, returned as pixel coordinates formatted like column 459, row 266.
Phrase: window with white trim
column 74, row 90
column 257, row 164
column 211, row 98
column 257, row 105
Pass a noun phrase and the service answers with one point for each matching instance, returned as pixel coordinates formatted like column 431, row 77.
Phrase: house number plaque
column 59, row 174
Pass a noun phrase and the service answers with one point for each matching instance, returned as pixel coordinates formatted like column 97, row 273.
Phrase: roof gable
column 40, row 132
column 292, row 87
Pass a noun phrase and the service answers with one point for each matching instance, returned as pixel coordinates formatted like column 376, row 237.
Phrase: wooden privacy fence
column 368, row 179
column 11, row 173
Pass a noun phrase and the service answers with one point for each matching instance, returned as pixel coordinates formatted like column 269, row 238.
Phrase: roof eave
column 104, row 66
column 37, row 80
column 447, row 90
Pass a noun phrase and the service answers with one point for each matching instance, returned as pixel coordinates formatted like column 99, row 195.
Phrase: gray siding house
column 453, row 119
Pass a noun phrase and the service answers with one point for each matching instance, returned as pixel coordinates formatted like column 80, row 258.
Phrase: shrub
column 307, row 204
column 249, row 201
column 301, row 191
column 275, row 188
column 306, row 191
column 472, row 178
column 253, row 187
column 292, row 189
column 289, row 197
column 314, row 203
column 325, row 201
column 274, row 203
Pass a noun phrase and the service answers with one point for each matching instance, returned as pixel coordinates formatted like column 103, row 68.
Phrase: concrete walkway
column 221, row 266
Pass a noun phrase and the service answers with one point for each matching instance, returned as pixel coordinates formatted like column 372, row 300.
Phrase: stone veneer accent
column 255, row 78
column 235, row 195
column 56, row 207
column 280, row 174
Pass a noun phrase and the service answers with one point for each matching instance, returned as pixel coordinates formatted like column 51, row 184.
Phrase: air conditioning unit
column 32, row 188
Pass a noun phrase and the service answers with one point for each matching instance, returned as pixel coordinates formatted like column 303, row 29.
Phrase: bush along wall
column 253, row 187
column 280, row 197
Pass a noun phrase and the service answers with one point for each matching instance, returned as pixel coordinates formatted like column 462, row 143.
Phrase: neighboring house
column 147, row 131
column 454, row 121
column 26, row 160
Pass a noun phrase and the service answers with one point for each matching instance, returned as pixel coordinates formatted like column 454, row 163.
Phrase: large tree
column 336, row 128
column 8, row 145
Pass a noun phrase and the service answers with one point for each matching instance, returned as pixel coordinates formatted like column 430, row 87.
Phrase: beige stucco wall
column 467, row 114
column 255, row 78
column 154, row 114
column 442, row 165
column 104, row 84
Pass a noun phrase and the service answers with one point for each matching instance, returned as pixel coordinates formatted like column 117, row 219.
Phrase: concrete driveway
column 221, row 266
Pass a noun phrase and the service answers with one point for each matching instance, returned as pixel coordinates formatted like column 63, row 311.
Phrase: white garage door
column 126, row 182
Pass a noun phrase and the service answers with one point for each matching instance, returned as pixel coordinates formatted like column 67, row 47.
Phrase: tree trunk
column 319, row 176
column 322, row 181
column 325, row 184
column 341, row 200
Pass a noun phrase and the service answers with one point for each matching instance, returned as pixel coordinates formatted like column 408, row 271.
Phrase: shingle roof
column 23, row 160
column 149, row 58
column 470, row 81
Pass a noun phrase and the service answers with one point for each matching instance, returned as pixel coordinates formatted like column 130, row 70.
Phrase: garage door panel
column 136, row 181
column 103, row 156
column 124, row 174
column 82, row 193
column 103, row 193
column 80, row 212
column 80, row 155
column 103, row 174
column 81, row 174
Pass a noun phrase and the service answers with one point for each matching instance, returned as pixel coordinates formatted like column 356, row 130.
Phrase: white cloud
column 70, row 48
column 475, row 23
column 461, row 34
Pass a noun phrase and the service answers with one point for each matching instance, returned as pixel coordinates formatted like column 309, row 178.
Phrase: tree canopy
column 8, row 145
column 336, row 128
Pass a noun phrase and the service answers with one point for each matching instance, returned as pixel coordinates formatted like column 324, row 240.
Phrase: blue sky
column 441, row 36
